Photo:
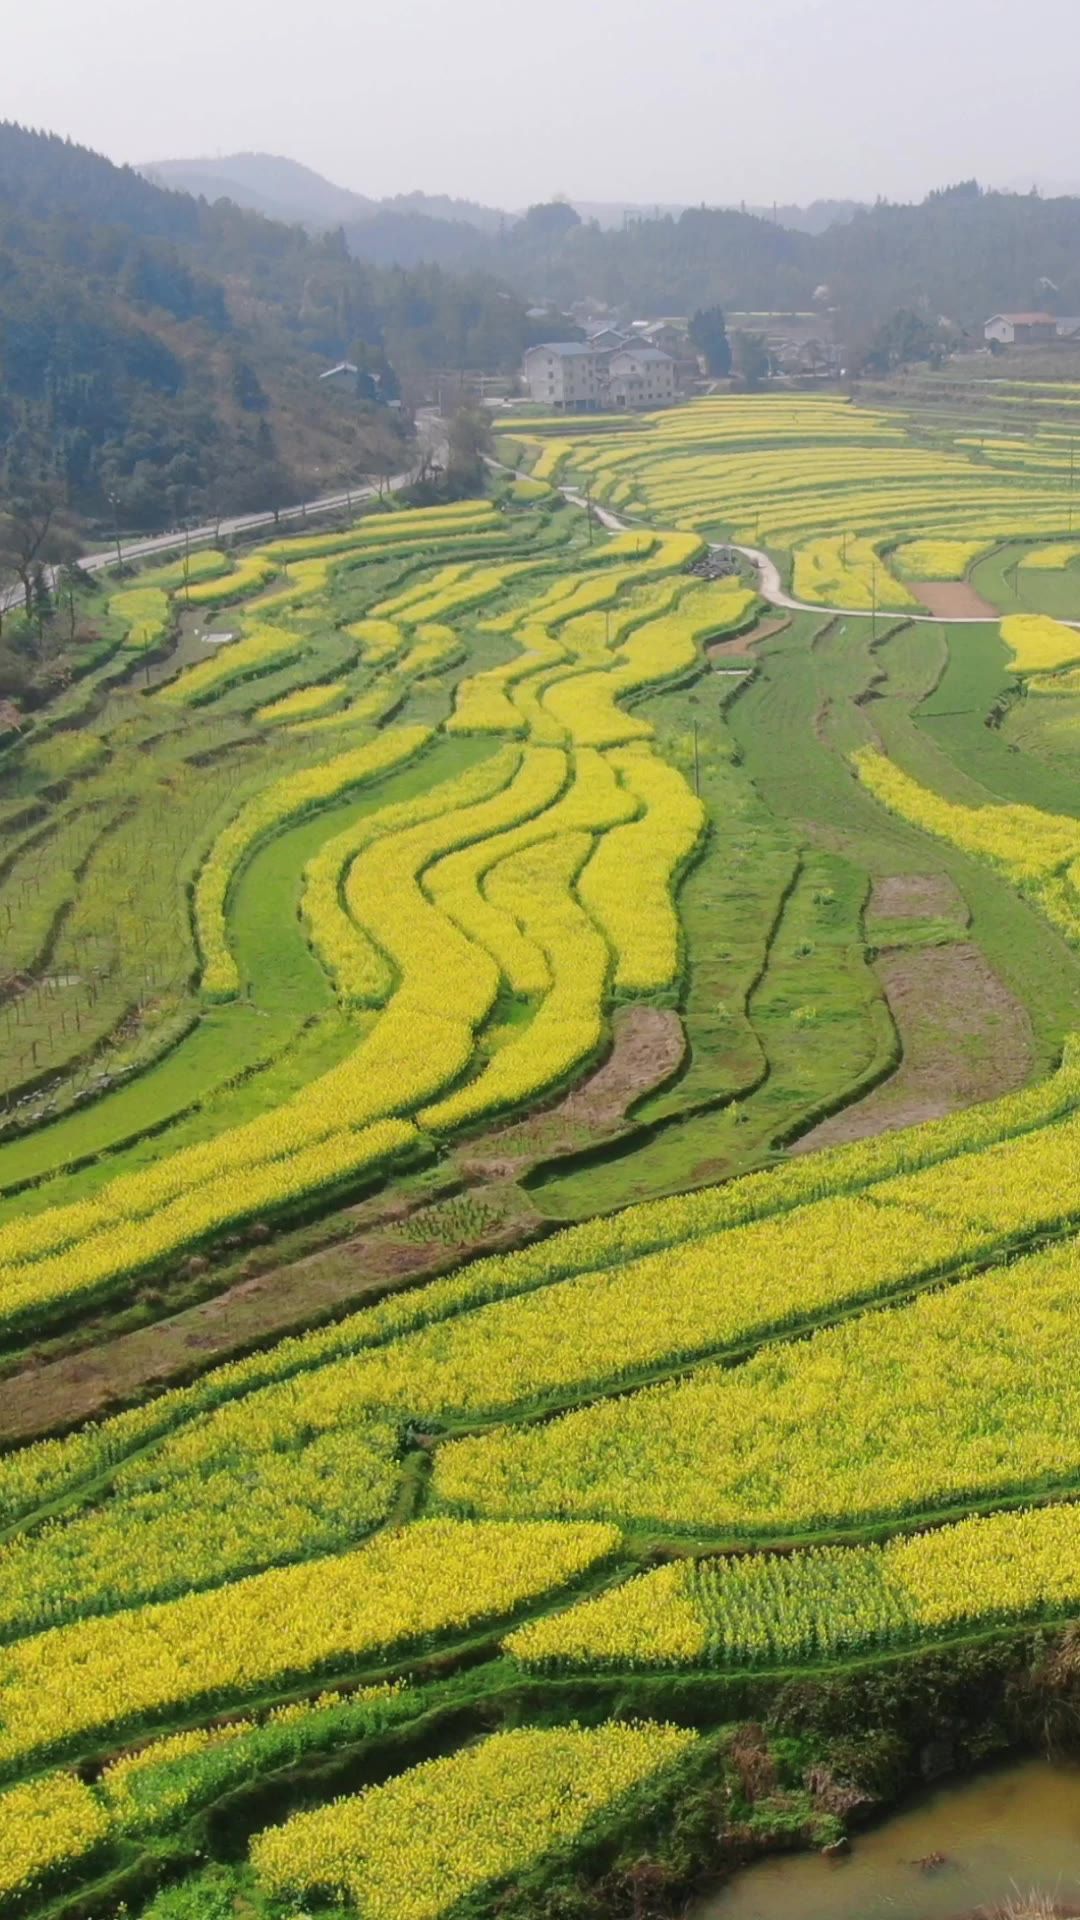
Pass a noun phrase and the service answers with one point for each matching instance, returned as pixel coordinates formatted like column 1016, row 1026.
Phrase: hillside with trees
column 160, row 356
column 160, row 353
column 962, row 252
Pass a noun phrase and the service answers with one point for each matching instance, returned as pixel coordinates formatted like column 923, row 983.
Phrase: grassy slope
column 785, row 874
column 812, row 1030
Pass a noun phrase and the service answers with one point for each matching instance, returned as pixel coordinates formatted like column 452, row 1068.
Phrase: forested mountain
column 286, row 190
column 962, row 252
column 264, row 183
column 167, row 352
column 659, row 266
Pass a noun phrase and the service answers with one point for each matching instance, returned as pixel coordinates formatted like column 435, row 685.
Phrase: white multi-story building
column 578, row 375
column 640, row 377
column 566, row 373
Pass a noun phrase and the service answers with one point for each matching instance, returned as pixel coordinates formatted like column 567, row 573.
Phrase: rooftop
column 645, row 353
column 1025, row 319
column 561, row 346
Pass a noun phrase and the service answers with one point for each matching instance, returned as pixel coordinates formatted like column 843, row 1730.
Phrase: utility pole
column 187, row 561
column 873, row 605
column 1072, row 479
column 697, row 768
column 588, row 509
column 114, row 503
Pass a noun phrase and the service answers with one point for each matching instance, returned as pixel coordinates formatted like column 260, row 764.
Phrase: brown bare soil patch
column 965, row 1038
column 399, row 1239
column 648, row 1045
column 411, row 1242
column 953, row 600
column 917, row 896
column 740, row 647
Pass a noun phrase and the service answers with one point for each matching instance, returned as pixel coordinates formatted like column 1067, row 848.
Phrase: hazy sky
column 508, row 101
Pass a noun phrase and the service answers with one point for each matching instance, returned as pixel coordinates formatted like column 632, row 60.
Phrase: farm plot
column 393, row 1610
column 376, row 912
column 856, row 506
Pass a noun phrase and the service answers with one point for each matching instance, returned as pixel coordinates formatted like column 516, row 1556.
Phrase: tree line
column 160, row 357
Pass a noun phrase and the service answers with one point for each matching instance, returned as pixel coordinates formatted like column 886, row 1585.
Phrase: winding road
column 772, row 589
column 770, row 585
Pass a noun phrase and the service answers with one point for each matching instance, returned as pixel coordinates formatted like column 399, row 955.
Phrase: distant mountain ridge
column 160, row 356
column 264, row 183
column 285, row 189
column 962, row 252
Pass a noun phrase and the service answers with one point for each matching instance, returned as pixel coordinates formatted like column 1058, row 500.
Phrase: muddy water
column 1001, row 1834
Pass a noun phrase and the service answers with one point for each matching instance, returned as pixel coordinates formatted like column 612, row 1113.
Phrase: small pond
column 1001, row 1834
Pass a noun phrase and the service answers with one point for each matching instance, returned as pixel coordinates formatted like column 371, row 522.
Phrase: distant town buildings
column 648, row 363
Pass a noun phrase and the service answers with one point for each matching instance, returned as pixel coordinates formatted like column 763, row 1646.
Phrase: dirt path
column 397, row 1242
column 965, row 1038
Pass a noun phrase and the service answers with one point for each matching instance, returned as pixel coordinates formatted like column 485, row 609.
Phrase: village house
column 640, row 377
column 344, row 374
column 666, row 335
column 1020, row 329
column 566, row 373
column 578, row 376
column 606, row 339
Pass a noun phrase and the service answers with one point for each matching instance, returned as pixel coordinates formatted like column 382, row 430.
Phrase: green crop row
column 265, row 814
column 777, row 1609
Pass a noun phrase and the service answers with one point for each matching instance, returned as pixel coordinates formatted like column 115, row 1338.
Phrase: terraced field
column 861, row 504
column 539, row 1184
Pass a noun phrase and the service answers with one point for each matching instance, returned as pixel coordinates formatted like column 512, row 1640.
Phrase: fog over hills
column 285, row 189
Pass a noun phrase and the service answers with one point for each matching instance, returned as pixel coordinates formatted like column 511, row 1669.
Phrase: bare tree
column 31, row 539
column 8, row 579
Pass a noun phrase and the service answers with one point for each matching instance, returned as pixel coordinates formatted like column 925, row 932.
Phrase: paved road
column 150, row 544
column 772, row 588
column 770, row 584
column 431, row 436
